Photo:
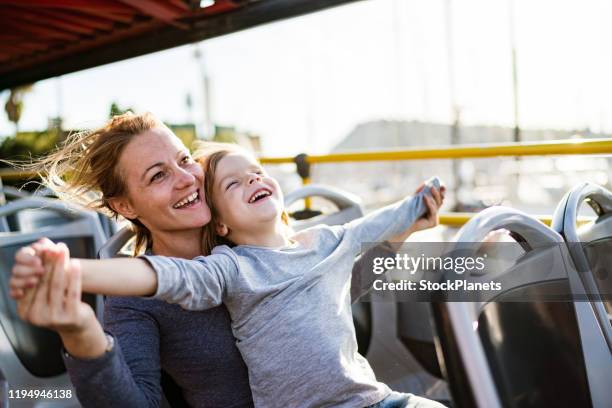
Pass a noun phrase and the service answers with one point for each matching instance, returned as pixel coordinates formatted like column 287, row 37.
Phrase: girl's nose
column 254, row 177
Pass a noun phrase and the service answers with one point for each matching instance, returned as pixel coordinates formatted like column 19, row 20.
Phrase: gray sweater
column 196, row 349
column 290, row 308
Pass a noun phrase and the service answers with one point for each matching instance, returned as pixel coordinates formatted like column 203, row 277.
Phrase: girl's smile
column 260, row 195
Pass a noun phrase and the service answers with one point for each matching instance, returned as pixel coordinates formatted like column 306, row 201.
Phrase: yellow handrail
column 8, row 174
column 457, row 219
column 555, row 147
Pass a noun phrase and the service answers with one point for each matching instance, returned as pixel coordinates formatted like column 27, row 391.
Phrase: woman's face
column 164, row 184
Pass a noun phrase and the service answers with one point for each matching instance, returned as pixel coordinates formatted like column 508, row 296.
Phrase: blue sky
column 303, row 84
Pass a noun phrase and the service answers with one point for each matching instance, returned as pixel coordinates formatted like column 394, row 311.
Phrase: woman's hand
column 430, row 219
column 55, row 303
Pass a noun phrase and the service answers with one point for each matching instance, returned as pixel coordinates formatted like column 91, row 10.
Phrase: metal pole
column 515, row 96
column 455, row 109
column 200, row 57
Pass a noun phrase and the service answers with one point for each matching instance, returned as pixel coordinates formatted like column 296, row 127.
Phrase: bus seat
column 504, row 351
column 590, row 249
column 348, row 205
column 30, row 356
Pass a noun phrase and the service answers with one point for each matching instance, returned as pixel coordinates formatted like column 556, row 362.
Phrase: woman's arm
column 128, row 375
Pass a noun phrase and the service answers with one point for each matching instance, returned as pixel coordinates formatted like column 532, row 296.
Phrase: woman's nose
column 184, row 178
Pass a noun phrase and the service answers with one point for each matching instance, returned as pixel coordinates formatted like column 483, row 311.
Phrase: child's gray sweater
column 291, row 308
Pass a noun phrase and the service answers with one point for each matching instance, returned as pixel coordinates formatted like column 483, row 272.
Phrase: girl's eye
column 230, row 185
column 186, row 160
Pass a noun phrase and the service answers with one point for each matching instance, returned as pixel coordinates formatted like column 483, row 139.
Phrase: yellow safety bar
column 6, row 174
column 554, row 148
column 457, row 219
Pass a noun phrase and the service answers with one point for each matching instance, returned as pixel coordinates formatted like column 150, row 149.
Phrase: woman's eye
column 186, row 160
column 157, row 176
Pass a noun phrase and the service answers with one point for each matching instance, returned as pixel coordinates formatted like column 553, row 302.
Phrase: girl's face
column 244, row 195
column 164, row 184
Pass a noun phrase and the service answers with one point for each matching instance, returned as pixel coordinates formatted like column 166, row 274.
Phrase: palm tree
column 14, row 105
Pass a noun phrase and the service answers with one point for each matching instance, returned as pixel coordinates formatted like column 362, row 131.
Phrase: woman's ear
column 123, row 206
column 222, row 229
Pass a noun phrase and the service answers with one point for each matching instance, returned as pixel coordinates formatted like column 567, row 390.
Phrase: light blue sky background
column 303, row 84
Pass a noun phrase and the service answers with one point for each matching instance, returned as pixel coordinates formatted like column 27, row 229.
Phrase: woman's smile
column 189, row 202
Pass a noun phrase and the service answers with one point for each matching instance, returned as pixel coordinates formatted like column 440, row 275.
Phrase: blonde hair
column 84, row 169
column 209, row 154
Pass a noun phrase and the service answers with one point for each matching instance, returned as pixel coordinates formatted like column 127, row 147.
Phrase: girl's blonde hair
column 85, row 170
column 209, row 154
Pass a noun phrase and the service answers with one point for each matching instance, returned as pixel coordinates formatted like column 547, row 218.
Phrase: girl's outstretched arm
column 113, row 277
column 397, row 219
column 196, row 284
column 118, row 277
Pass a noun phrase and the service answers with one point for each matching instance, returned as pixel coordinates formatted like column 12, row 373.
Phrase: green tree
column 14, row 105
column 116, row 110
column 28, row 145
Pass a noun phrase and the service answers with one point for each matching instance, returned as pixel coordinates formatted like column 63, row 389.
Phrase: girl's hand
column 430, row 219
column 433, row 203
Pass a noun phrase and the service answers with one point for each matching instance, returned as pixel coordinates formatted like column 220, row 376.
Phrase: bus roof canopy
column 40, row 39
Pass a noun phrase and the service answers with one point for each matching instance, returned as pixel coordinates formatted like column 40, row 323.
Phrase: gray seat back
column 590, row 246
column 114, row 245
column 28, row 216
column 27, row 220
column 349, row 205
column 500, row 350
column 590, row 249
column 30, row 356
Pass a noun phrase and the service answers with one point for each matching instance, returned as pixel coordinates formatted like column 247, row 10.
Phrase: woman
column 135, row 167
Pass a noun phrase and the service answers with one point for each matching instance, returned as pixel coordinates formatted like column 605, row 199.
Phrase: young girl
column 288, row 294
